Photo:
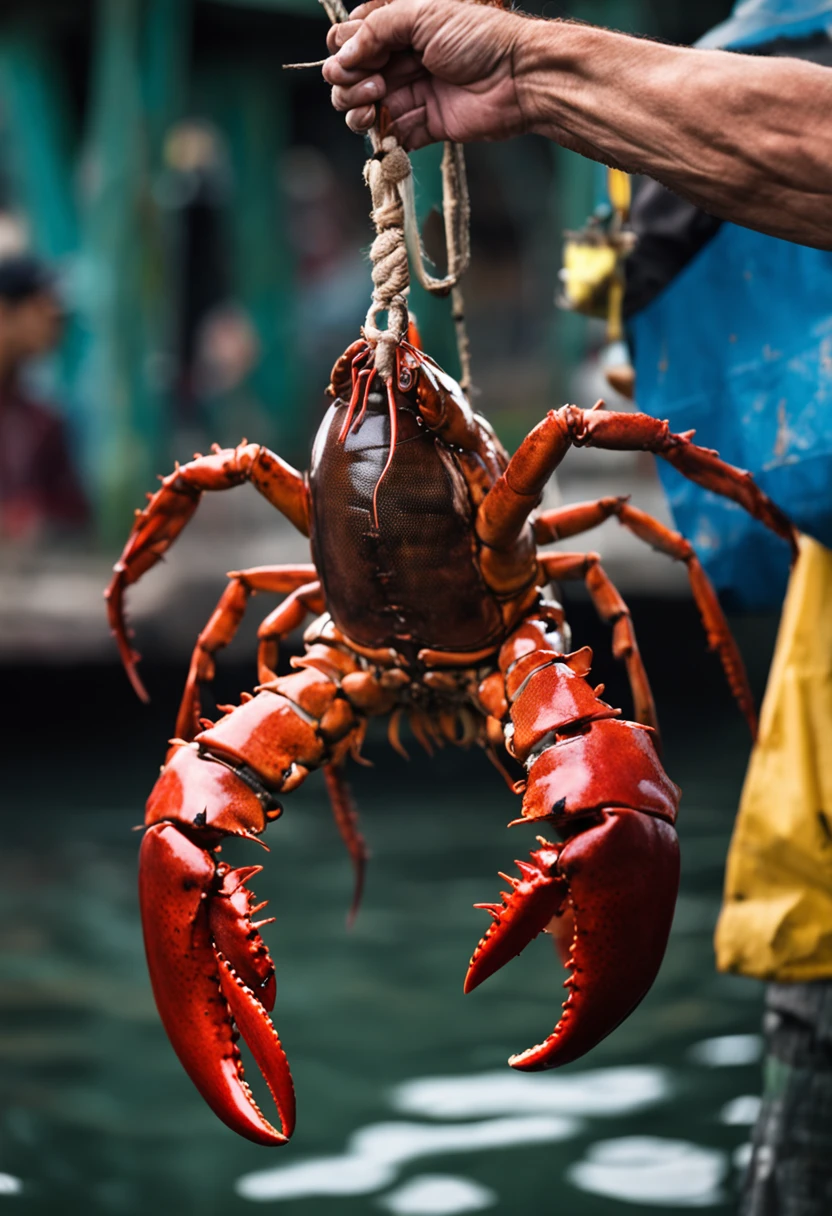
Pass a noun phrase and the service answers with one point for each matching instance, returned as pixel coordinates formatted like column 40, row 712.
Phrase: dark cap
column 22, row 275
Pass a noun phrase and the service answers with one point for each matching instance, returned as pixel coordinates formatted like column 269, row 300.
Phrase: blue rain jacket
column 739, row 346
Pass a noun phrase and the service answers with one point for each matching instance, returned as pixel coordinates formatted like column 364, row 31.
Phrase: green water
column 97, row 1116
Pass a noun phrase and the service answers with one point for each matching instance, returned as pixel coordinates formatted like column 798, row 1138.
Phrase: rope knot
column 384, row 172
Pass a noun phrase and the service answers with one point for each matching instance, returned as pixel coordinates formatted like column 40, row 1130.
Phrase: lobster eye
column 406, row 379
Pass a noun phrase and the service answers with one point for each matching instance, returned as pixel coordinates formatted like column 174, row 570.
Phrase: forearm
column 744, row 137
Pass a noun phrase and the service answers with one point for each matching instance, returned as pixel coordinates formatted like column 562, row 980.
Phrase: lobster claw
column 210, row 970
column 607, row 894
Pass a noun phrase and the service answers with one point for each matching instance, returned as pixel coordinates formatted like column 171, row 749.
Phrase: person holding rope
column 745, row 139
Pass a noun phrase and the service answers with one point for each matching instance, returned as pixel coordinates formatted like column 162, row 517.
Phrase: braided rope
column 384, row 173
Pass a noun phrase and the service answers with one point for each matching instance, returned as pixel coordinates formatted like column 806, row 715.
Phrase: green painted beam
column 120, row 268
column 248, row 102
column 33, row 91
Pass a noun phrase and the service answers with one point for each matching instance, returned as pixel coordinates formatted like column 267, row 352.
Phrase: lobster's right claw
column 606, row 893
column 210, row 970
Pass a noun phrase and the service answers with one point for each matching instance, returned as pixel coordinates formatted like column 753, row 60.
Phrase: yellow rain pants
column 776, row 921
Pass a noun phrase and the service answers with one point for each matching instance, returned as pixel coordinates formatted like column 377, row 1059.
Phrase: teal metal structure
column 81, row 147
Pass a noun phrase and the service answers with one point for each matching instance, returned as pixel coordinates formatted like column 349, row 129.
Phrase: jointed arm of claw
column 608, row 891
column 209, row 966
column 171, row 507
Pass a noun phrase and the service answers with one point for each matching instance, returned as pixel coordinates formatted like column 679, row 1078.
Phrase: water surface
column 405, row 1103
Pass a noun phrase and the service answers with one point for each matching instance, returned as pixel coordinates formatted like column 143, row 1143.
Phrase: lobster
column 429, row 596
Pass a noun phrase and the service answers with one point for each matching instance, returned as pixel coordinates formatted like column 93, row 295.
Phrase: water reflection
column 375, row 1154
column 438, row 1195
column 727, row 1050
column 97, row 1117
column 653, row 1171
column 742, row 1111
column 601, row 1091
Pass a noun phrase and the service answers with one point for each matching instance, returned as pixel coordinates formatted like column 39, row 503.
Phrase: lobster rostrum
column 427, row 586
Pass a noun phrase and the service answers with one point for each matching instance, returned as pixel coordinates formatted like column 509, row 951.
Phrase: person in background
column 40, row 492
column 747, row 139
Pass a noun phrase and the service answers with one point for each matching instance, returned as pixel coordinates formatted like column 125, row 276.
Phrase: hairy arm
column 744, row 137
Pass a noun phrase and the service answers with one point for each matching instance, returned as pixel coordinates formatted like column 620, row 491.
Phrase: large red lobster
column 426, row 586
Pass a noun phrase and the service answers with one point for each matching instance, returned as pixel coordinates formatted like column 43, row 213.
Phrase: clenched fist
column 445, row 69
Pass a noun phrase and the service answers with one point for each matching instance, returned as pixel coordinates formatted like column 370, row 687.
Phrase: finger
column 411, row 129
column 361, row 119
column 387, row 28
column 337, row 35
column 333, row 73
column 362, row 10
column 358, row 96
column 402, row 69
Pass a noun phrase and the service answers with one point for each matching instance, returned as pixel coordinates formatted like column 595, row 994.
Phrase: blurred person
column 39, row 488
column 745, row 139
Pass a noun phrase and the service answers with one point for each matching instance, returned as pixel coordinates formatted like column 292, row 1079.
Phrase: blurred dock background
column 205, row 212
column 207, row 217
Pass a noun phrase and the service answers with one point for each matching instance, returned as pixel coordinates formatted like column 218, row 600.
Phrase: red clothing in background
column 39, row 486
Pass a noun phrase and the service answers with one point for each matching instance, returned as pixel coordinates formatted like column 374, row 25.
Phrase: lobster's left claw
column 612, row 886
column 210, row 970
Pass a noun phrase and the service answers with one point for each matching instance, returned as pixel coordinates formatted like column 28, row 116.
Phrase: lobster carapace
column 427, row 585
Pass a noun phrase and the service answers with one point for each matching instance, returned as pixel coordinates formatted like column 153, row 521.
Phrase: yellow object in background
column 776, row 921
column 589, row 266
column 620, row 192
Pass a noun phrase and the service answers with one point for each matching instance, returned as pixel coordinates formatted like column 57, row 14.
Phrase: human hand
column 445, row 69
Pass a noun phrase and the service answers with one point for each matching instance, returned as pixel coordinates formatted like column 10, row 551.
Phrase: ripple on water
column 652, row 1171
column 741, row 1111
column 438, row 1195
column 727, row 1050
column 375, row 1154
column 600, row 1091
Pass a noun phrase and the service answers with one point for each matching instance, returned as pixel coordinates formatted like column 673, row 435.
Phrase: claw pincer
column 209, row 966
column 212, row 976
column 607, row 890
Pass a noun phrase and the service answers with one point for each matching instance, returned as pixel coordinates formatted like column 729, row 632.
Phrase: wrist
column 549, row 60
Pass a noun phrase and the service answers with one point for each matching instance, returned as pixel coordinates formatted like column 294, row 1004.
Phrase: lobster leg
column 171, row 507
column 209, row 966
column 506, row 509
column 570, row 520
column 346, row 820
column 607, row 889
column 222, row 627
column 612, row 610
